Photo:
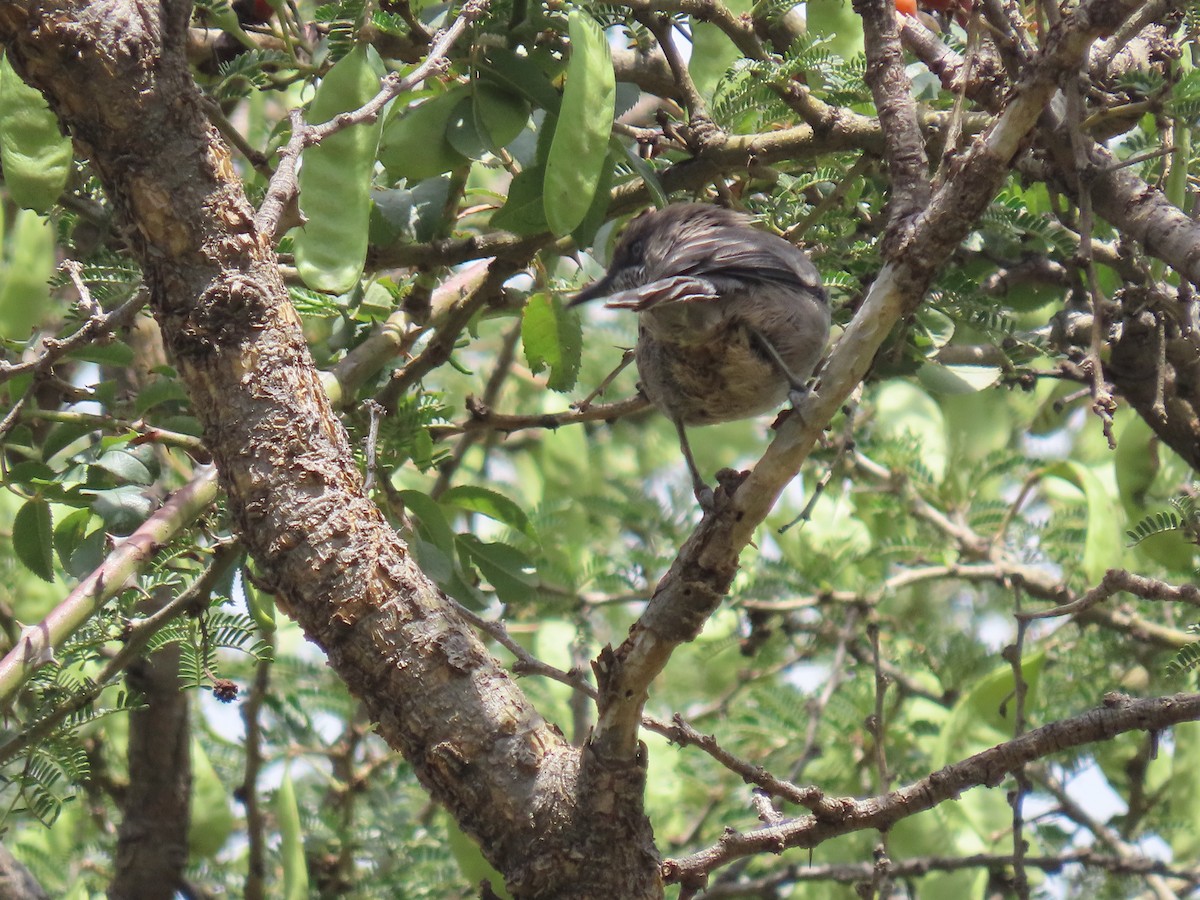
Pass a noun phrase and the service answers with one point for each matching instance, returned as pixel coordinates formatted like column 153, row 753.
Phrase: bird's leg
column 704, row 494
column 626, row 359
column 798, row 388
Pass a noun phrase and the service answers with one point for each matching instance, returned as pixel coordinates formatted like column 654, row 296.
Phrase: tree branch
column 38, row 642
column 908, row 166
column 843, row 815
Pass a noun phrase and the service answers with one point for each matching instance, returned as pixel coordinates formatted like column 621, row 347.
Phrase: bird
column 732, row 320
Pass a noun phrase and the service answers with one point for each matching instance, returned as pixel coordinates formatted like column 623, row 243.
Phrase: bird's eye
column 636, row 249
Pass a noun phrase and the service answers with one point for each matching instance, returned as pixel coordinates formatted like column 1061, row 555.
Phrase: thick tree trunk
column 115, row 73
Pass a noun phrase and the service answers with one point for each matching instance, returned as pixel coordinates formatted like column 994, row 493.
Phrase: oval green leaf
column 291, row 841
column 69, row 534
column 24, row 293
column 519, row 74
column 491, row 504
column 211, row 819
column 579, row 150
column 414, row 145
column 33, row 539
column 335, row 180
column 431, row 521
column 261, row 607
column 523, row 212
column 552, row 336
column 1103, row 548
column 35, row 153
column 487, row 121
column 506, row 568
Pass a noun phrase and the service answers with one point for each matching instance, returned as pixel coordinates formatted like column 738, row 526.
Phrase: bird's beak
column 595, row 290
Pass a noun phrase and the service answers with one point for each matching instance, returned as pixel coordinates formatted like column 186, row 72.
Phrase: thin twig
column 98, row 325
column 485, row 419
column 1103, row 402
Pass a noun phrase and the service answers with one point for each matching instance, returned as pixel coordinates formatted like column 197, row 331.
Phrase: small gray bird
column 731, row 320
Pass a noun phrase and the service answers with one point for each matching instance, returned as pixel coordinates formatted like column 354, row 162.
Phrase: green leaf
column 523, row 213
column 520, row 75
column 941, row 379
column 414, row 144
column 475, row 869
column 125, row 467
column 221, row 14
column 335, row 179
column 33, row 538
column 36, row 155
column 1183, row 793
column 114, row 353
column 464, row 133
column 62, row 436
column 486, row 121
column 904, row 410
column 1142, row 462
column 431, row 521
column 712, row 50
column 579, row 150
column 161, row 390
column 30, row 472
column 1103, row 547
column 260, row 605
column 643, row 169
column 837, row 22
column 211, row 819
column 123, row 508
column 552, row 337
column 433, row 562
column 24, row 293
column 984, row 715
column 69, row 534
column 291, row 836
column 89, row 553
column 507, row 569
column 491, row 504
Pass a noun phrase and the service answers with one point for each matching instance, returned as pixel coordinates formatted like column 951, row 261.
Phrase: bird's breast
column 703, row 362
column 720, row 380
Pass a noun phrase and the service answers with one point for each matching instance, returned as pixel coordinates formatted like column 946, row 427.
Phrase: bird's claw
column 728, row 481
column 798, row 395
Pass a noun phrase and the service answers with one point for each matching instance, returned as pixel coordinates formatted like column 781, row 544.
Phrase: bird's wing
column 672, row 289
column 744, row 255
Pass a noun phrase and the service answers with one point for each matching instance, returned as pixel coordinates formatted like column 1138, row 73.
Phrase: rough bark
column 116, row 74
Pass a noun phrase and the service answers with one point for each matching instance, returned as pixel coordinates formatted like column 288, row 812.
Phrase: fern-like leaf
column 1187, row 658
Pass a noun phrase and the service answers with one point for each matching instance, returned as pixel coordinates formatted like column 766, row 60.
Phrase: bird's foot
column 728, row 481
column 799, row 394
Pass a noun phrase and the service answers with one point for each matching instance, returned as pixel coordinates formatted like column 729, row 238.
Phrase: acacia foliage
column 861, row 649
